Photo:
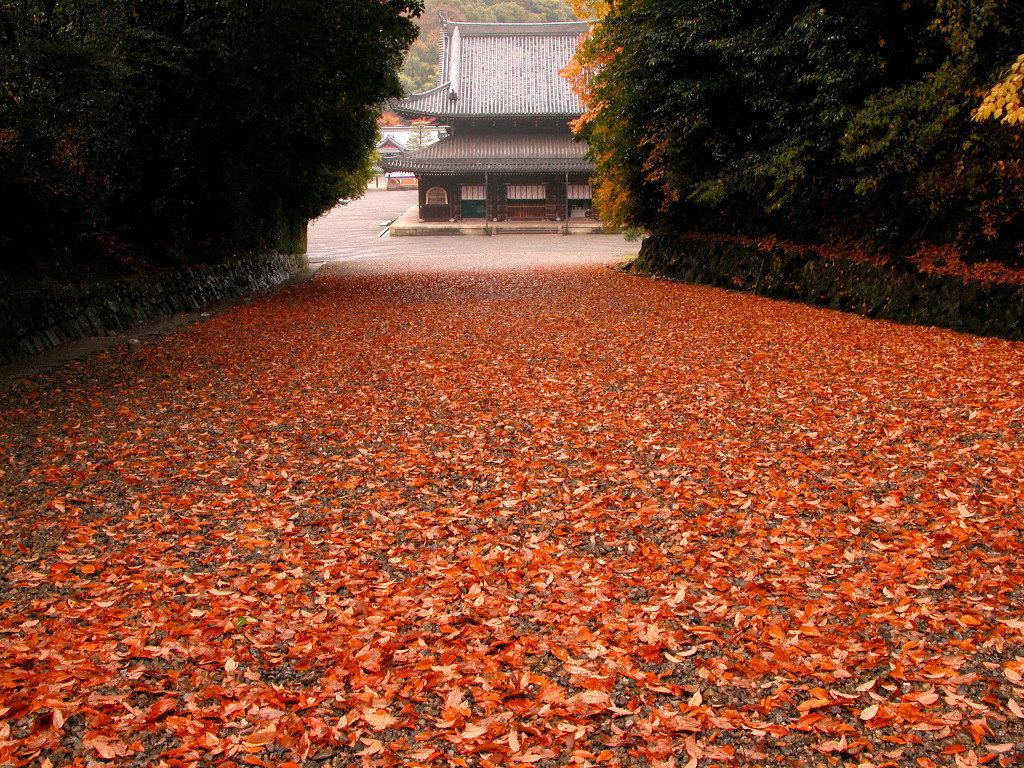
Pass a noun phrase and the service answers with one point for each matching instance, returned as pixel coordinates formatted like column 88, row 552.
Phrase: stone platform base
column 410, row 225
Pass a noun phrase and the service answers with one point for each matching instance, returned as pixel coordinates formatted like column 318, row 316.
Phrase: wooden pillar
column 487, row 203
column 567, row 211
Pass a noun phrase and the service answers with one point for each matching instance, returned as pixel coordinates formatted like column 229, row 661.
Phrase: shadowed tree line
column 830, row 120
column 182, row 129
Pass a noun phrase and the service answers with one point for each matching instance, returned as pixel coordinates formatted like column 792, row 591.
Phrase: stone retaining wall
column 33, row 321
column 946, row 301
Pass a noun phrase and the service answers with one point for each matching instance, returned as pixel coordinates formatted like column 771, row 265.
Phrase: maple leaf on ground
column 516, row 516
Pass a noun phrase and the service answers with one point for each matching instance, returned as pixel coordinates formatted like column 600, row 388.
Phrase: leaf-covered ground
column 553, row 517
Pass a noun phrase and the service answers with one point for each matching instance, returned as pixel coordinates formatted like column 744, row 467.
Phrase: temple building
column 509, row 153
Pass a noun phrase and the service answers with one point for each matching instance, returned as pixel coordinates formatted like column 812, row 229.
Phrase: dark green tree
column 282, row 100
column 796, row 118
column 190, row 127
column 58, row 79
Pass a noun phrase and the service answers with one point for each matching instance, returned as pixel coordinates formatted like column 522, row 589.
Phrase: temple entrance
column 473, row 201
column 580, row 201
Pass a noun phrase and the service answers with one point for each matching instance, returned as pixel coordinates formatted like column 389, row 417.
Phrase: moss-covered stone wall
column 901, row 295
column 32, row 321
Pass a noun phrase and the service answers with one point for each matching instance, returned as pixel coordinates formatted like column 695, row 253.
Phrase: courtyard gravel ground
column 515, row 510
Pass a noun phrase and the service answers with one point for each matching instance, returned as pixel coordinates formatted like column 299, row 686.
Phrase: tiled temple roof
column 497, row 153
column 500, row 70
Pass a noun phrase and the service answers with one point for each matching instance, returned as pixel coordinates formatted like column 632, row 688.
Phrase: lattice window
column 580, row 192
column 527, row 192
column 474, row 192
column 437, row 196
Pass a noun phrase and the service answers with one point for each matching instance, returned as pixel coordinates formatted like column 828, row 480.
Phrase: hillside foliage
column 807, row 120
column 420, row 71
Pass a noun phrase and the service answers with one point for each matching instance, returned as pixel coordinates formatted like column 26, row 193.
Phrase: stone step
column 552, row 228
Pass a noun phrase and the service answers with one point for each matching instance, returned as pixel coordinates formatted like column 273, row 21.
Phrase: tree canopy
column 1002, row 102
column 187, row 126
column 801, row 119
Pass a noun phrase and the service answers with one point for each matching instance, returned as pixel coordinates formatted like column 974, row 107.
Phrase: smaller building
column 389, row 146
column 401, row 180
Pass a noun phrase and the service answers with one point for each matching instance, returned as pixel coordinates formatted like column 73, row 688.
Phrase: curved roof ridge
column 507, row 27
column 439, row 87
column 479, row 153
